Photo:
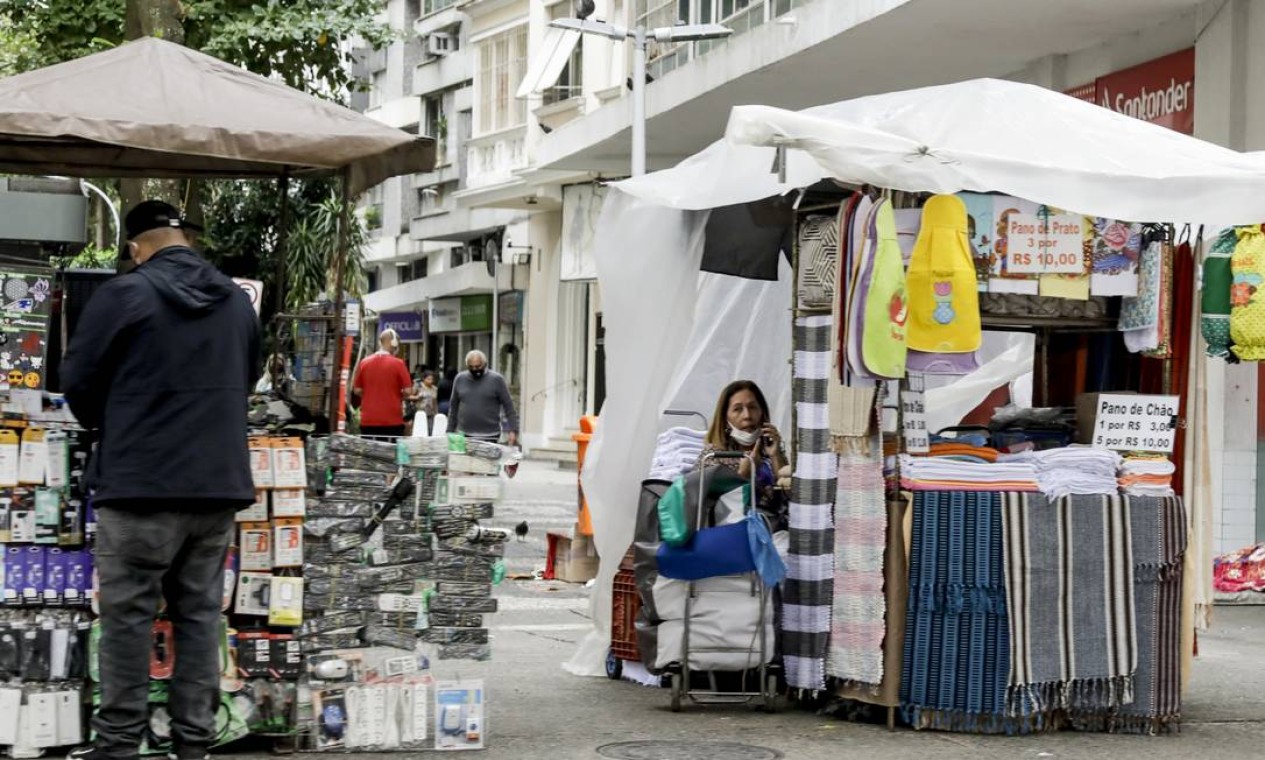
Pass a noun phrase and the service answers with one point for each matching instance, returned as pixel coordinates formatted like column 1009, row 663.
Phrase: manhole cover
column 687, row 751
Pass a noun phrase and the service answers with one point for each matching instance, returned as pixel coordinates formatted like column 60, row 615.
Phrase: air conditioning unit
column 440, row 43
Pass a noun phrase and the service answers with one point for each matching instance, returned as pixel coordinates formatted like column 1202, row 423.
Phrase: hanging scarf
column 1214, row 322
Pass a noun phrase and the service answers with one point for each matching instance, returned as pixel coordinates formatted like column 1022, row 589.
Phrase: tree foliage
column 243, row 235
column 304, row 43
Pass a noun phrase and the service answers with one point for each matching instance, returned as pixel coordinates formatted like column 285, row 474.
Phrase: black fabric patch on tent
column 744, row 240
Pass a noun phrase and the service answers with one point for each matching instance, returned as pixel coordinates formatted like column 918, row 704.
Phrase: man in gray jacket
column 479, row 398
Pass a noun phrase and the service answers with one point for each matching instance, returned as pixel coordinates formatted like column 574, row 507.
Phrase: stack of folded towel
column 1147, row 475
column 676, row 452
column 1072, row 470
column 965, row 452
column 950, row 474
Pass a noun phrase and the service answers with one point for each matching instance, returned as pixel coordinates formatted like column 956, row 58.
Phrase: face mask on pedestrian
column 476, row 371
column 744, row 437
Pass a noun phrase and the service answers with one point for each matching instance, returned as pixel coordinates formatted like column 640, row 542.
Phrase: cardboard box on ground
column 573, row 558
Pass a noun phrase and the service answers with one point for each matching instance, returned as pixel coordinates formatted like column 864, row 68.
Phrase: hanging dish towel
column 943, row 299
column 849, row 400
column 818, row 257
column 858, row 291
column 1218, row 276
column 1164, row 325
column 883, row 347
column 851, row 258
column 1247, row 302
column 1140, row 315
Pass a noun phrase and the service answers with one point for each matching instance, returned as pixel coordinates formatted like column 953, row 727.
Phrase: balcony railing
column 667, row 58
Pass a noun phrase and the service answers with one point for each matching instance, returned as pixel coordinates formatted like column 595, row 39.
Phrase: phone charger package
column 254, row 591
column 261, row 463
column 460, row 715
column 255, row 547
column 257, row 512
column 289, row 469
column 285, row 607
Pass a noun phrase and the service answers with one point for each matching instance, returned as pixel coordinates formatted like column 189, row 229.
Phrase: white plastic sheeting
column 1005, row 357
column 982, row 135
column 675, row 337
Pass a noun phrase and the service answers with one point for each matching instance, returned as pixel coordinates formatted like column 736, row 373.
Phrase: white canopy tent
column 981, row 135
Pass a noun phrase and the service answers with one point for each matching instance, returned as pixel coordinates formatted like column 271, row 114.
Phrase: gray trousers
column 144, row 557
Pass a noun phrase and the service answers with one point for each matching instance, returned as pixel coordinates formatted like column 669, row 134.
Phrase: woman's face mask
column 744, row 437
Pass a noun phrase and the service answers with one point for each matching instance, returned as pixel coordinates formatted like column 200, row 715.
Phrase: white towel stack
column 944, row 473
column 676, row 452
column 1074, row 470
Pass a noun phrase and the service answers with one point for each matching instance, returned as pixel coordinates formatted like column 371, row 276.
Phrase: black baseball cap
column 152, row 215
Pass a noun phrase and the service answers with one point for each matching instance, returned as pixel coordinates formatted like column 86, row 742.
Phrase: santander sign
column 1160, row 91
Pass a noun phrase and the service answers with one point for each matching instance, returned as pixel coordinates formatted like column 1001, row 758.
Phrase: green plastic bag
column 674, row 528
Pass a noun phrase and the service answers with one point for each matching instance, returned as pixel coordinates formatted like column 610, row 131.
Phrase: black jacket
column 161, row 364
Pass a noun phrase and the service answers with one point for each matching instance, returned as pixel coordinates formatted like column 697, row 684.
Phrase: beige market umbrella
column 152, row 108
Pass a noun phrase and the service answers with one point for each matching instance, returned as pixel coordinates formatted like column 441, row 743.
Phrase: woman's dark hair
column 718, row 433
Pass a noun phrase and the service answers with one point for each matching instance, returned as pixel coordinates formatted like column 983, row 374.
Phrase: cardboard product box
column 254, row 654
column 10, row 453
column 287, row 656
column 255, row 546
column 287, row 545
column 261, row 462
column 468, row 490
column 253, row 591
column 257, row 512
column 14, row 574
column 285, row 605
column 48, row 508
column 289, row 468
column 33, row 459
column 33, row 591
column 55, row 565
column 573, row 558
column 289, row 502
column 464, row 463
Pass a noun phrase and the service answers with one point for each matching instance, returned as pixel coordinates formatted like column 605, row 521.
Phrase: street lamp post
column 641, row 39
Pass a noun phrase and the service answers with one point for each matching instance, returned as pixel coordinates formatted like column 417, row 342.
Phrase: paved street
column 539, row 712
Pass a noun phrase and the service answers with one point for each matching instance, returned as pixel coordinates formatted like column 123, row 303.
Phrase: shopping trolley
column 707, row 589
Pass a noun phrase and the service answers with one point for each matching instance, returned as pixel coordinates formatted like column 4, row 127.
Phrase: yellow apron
column 942, row 292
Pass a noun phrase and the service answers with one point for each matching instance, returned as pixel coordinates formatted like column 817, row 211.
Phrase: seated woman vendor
column 741, row 423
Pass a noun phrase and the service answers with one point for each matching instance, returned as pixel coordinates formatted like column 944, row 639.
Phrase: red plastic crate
column 625, row 604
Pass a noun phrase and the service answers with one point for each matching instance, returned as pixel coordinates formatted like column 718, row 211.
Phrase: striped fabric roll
column 809, row 587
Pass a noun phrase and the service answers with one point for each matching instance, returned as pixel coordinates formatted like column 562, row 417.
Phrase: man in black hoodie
column 160, row 366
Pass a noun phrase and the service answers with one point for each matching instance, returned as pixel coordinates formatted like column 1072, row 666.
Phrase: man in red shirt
column 382, row 384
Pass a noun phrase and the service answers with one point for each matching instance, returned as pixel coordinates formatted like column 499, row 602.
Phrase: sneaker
column 186, row 753
column 92, row 752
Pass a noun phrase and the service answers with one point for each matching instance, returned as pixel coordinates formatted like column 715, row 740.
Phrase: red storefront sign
column 1160, row 91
